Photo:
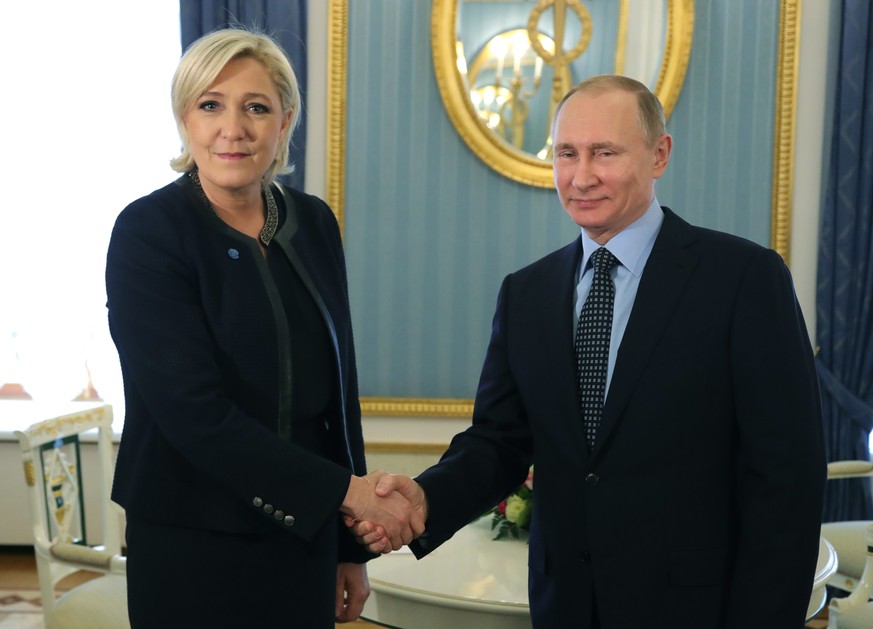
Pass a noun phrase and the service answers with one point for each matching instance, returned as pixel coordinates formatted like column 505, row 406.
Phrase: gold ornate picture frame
column 495, row 151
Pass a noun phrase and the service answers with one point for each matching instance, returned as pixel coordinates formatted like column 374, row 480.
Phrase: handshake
column 384, row 511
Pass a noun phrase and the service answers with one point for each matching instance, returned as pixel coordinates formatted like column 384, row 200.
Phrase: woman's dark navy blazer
column 204, row 349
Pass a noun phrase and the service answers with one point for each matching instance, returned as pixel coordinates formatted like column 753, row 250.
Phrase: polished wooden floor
column 18, row 571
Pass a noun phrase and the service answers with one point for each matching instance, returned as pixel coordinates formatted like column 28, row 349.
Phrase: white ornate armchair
column 853, row 542
column 53, row 472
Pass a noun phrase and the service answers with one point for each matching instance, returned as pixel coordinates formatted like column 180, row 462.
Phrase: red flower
column 521, row 503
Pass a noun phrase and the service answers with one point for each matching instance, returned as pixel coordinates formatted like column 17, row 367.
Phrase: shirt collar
column 632, row 244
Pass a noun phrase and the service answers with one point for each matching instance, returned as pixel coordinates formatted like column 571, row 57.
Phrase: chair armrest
column 849, row 469
column 862, row 593
column 849, row 539
column 86, row 557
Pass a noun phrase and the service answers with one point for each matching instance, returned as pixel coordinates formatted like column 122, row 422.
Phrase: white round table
column 824, row 570
column 474, row 581
column 470, row 581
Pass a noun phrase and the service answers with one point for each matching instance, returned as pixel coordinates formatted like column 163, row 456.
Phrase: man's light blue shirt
column 632, row 247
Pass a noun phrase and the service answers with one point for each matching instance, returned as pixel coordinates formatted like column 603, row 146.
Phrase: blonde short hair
column 203, row 62
column 650, row 114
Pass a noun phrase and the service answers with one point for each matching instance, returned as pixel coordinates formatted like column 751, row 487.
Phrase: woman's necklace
column 270, row 223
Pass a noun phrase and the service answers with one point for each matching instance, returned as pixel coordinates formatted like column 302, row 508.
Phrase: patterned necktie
column 592, row 342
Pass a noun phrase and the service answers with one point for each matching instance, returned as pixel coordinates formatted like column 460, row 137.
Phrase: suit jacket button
column 279, row 515
column 592, row 479
column 268, row 508
column 289, row 520
column 585, row 556
column 258, row 502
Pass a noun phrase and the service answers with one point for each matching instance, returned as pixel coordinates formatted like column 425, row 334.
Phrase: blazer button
column 268, row 509
column 592, row 479
column 289, row 520
column 258, row 502
column 279, row 515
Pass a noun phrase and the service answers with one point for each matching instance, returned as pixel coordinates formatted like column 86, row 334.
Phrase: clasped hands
column 385, row 511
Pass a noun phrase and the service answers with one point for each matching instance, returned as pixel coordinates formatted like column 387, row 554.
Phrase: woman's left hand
column 352, row 591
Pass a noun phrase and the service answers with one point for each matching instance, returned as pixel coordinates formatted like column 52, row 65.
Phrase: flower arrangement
column 513, row 514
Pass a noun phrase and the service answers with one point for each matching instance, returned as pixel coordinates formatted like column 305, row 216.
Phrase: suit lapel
column 665, row 277
column 557, row 362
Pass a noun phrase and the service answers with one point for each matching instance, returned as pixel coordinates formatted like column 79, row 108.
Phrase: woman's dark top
column 312, row 379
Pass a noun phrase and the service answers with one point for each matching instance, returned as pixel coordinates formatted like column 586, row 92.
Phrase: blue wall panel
column 721, row 171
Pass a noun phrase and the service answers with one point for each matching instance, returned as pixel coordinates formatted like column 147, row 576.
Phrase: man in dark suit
column 690, row 498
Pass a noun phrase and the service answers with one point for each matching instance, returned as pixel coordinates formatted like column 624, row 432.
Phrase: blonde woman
column 242, row 446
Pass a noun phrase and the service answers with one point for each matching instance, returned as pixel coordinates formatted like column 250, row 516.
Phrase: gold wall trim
column 337, row 70
column 784, row 134
column 417, row 407
column 680, row 35
column 621, row 46
column 391, row 447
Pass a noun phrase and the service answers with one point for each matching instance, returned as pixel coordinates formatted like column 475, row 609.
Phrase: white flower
column 517, row 510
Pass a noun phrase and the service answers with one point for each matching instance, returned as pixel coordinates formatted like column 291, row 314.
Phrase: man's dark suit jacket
column 203, row 342
column 700, row 506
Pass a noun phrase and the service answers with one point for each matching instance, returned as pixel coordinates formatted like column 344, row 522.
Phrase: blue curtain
column 285, row 20
column 845, row 268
